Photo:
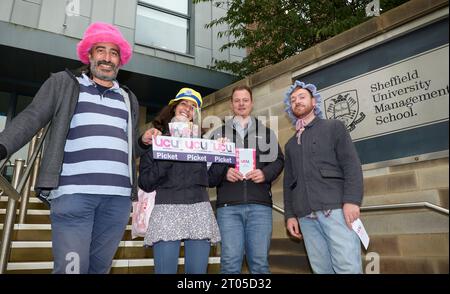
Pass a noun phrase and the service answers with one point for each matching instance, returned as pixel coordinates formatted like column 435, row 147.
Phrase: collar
column 237, row 122
column 229, row 123
column 114, row 88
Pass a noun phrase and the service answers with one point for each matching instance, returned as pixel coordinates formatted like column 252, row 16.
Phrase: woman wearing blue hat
column 182, row 209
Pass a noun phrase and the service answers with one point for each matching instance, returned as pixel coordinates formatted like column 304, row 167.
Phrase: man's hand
column 147, row 137
column 293, row 227
column 233, row 175
column 351, row 213
column 257, row 176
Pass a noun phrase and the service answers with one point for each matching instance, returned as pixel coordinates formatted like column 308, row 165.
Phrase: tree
column 273, row 30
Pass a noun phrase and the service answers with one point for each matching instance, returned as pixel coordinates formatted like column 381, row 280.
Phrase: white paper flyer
column 358, row 227
column 245, row 160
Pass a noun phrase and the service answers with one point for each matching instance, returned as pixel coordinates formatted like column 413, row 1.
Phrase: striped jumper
column 96, row 149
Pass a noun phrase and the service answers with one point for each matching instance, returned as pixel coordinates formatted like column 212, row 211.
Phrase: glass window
column 17, row 105
column 21, row 104
column 180, row 6
column 4, row 105
column 164, row 25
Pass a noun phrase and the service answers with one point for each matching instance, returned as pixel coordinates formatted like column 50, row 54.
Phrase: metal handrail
column 277, row 208
column 406, row 205
column 8, row 188
column 3, row 163
column 29, row 168
column 13, row 191
column 389, row 206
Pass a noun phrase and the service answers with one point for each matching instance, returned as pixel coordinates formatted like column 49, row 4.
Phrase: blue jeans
column 245, row 228
column 86, row 231
column 331, row 246
column 196, row 254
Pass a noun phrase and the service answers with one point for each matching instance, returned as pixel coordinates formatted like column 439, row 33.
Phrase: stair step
column 119, row 266
column 430, row 244
column 413, row 265
column 289, row 264
column 279, row 265
column 42, row 232
column 33, row 203
column 407, row 221
column 287, row 246
column 34, row 216
column 42, row 251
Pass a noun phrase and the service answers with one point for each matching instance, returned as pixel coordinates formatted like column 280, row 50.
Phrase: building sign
column 193, row 149
column 408, row 94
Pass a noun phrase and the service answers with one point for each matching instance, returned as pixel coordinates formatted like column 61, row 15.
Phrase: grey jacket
column 323, row 172
column 55, row 102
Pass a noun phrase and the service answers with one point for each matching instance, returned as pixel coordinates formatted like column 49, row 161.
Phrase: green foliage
column 274, row 30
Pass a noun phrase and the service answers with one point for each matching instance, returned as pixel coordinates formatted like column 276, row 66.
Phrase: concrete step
column 289, row 264
column 412, row 265
column 434, row 244
column 42, row 232
column 435, row 196
column 405, row 221
column 419, row 253
column 33, row 203
column 34, row 251
column 34, row 216
column 287, row 246
column 278, row 264
column 119, row 266
column 428, row 244
column 419, row 245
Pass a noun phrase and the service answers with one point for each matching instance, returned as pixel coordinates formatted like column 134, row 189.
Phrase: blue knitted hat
column 287, row 99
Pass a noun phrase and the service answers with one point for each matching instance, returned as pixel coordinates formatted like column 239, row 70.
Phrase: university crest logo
column 344, row 107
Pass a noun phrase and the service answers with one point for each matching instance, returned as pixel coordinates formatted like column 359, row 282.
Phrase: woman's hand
column 147, row 137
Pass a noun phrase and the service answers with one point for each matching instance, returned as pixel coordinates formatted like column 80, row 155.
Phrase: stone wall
column 421, row 181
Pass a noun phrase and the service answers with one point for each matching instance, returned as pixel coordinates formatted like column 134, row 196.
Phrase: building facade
column 172, row 48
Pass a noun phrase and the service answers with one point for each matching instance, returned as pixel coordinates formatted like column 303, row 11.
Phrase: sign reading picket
column 193, row 149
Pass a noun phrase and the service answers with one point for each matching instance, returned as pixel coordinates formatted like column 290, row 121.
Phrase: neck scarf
column 301, row 124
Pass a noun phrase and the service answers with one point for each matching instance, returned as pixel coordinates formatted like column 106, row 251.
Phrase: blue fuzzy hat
column 287, row 99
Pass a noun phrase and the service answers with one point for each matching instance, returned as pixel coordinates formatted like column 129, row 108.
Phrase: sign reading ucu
column 193, row 149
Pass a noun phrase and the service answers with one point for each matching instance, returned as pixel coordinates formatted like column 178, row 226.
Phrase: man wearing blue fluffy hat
column 323, row 184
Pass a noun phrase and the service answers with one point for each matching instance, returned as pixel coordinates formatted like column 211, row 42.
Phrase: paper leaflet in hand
column 183, row 129
column 359, row 229
column 245, row 160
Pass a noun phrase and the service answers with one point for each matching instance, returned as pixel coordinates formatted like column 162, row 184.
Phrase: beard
column 302, row 111
column 96, row 72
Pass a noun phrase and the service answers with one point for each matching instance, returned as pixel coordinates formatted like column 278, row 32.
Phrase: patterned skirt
column 171, row 222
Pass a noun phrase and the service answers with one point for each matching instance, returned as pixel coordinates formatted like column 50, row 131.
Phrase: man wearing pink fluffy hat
column 88, row 172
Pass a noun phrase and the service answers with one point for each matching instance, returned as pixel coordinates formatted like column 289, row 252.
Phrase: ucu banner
column 193, row 149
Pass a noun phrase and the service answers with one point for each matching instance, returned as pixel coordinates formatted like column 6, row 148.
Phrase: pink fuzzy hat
column 99, row 32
